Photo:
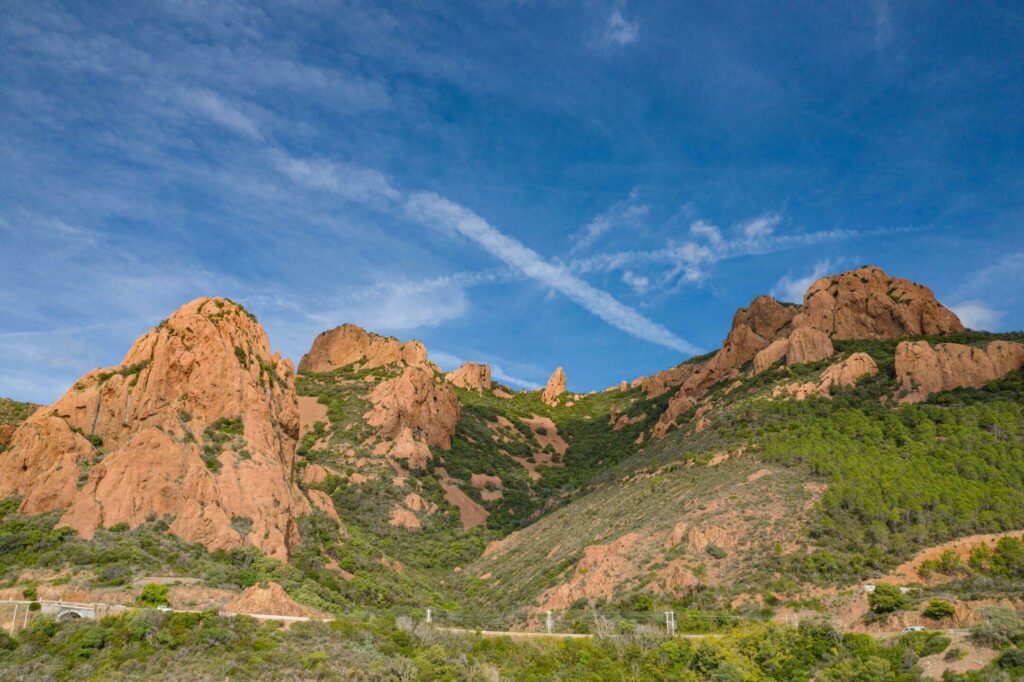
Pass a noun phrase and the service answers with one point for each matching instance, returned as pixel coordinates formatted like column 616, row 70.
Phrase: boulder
column 849, row 371
column 205, row 378
column 472, row 375
column 350, row 344
column 554, row 388
column 808, row 345
column 923, row 369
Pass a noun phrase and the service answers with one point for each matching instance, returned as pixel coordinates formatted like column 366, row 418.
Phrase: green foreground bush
column 154, row 646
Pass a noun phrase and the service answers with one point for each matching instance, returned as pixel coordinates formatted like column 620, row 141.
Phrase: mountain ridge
column 399, row 484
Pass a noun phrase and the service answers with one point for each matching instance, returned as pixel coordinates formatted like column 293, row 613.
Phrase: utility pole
column 429, row 617
column 670, row 623
column 14, row 619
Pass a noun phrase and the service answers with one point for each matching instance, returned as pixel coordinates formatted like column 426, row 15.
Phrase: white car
column 914, row 628
column 168, row 608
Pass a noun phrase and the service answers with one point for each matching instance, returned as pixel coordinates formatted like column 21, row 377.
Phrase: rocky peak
column 765, row 316
column 472, row 375
column 350, row 344
column 555, row 387
column 198, row 422
column 867, row 303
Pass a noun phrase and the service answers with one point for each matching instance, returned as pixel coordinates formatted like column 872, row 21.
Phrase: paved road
column 518, row 634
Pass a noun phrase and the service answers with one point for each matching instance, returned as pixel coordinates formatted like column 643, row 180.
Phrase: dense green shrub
column 887, row 598
column 206, row 646
column 937, row 609
column 154, row 595
column 1012, row 658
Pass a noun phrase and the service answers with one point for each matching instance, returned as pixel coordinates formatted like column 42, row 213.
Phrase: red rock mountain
column 199, row 422
column 865, row 303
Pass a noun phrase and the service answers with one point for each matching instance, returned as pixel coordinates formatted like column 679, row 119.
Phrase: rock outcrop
column 866, row 303
column 664, row 381
column 414, row 410
column 472, row 375
column 269, row 599
column 350, row 344
column 198, row 423
column 554, row 388
column 678, row 404
column 845, row 373
column 922, row 369
column 766, row 357
column 808, row 344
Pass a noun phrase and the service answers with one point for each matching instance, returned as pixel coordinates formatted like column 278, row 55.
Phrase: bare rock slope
column 199, row 422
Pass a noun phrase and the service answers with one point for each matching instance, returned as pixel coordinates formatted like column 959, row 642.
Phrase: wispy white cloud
column 689, row 261
column 618, row 30
column 344, row 179
column 978, row 315
column 1003, row 276
column 623, row 214
column 220, row 111
column 431, row 209
column 761, row 227
column 792, row 289
column 387, row 306
column 1001, row 282
column 504, row 377
column 707, row 231
column 639, row 283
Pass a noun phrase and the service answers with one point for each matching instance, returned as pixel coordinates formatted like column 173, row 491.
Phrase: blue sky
column 597, row 185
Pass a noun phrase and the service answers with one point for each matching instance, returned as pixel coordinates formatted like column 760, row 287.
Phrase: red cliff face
column 923, row 369
column 199, row 423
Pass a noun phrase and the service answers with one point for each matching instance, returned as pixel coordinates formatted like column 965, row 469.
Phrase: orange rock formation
column 205, row 370
column 922, row 369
